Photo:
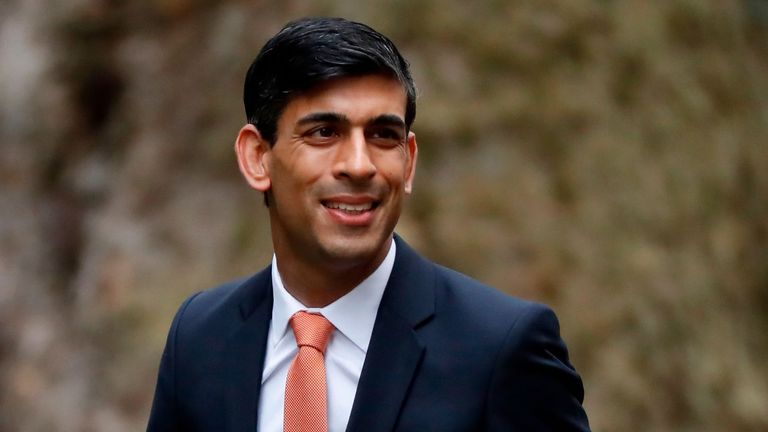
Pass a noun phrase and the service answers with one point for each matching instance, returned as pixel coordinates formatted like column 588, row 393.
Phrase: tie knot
column 311, row 330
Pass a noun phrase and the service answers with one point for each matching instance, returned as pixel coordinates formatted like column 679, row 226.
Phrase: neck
column 318, row 284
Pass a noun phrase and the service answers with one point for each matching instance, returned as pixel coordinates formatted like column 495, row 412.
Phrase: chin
column 355, row 249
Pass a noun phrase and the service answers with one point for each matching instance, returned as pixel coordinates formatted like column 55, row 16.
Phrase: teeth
column 349, row 207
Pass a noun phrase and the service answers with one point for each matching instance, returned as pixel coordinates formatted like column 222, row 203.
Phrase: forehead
column 358, row 98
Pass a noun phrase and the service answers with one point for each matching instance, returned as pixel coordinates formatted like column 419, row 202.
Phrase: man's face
column 340, row 166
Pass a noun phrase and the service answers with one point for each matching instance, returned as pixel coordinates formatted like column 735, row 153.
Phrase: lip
column 351, row 217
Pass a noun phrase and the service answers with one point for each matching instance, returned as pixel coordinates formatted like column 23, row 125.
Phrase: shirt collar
column 353, row 314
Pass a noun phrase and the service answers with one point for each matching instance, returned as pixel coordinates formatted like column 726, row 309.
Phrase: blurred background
column 608, row 158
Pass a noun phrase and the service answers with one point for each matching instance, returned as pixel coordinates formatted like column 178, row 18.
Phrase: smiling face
column 337, row 173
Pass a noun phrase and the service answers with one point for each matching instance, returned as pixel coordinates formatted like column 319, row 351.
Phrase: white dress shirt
column 352, row 316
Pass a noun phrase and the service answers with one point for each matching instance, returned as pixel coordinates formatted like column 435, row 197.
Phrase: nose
column 353, row 159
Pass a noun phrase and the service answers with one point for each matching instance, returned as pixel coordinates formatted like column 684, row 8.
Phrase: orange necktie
column 306, row 405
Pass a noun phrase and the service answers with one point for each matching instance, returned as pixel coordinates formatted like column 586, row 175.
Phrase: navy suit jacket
column 447, row 353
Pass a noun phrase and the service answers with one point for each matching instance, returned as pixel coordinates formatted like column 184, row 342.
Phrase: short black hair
column 311, row 51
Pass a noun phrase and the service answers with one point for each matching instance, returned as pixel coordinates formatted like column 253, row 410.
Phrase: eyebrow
column 388, row 120
column 332, row 117
column 323, row 117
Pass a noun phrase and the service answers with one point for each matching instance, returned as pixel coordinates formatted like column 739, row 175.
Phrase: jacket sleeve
column 534, row 386
column 165, row 416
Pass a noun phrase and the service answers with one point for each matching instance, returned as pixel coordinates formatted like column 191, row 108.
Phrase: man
column 388, row 341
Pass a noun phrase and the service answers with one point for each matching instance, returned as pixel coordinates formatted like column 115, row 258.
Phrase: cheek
column 310, row 165
column 298, row 170
column 392, row 162
column 297, row 188
column 393, row 171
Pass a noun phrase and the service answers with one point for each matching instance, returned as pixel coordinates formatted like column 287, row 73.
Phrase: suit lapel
column 395, row 351
column 244, row 356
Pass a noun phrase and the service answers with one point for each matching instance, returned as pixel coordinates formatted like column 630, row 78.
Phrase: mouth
column 350, row 208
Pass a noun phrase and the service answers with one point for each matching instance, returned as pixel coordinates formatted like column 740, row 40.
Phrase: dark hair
column 310, row 51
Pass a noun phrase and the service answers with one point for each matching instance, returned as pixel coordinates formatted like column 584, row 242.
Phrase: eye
column 386, row 135
column 324, row 132
column 322, row 135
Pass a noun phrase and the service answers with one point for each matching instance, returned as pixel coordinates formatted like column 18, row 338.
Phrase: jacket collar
column 393, row 357
column 395, row 351
column 244, row 356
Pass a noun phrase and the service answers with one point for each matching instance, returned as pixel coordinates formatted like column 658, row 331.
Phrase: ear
column 253, row 154
column 413, row 154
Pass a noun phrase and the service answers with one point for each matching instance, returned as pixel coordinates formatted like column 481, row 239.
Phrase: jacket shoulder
column 219, row 310
column 480, row 298
column 533, row 385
